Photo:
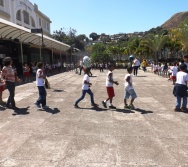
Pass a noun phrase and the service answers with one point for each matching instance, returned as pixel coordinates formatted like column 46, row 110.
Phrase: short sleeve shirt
column 85, row 86
column 181, row 78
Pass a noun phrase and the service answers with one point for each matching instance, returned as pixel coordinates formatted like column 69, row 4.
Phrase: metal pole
column 40, row 50
column 21, row 47
column 52, row 55
column 60, row 58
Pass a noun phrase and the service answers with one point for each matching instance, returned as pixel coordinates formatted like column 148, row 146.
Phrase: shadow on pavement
column 94, row 108
column 143, row 111
column 52, row 111
column 140, row 76
column 123, row 111
column 21, row 111
column 58, row 90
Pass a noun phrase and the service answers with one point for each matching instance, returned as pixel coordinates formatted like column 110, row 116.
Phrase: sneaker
column 104, row 104
column 177, row 109
column 38, row 107
column 45, row 107
column 76, row 106
column 126, row 106
column 94, row 105
column 184, row 109
column 131, row 106
column 112, row 107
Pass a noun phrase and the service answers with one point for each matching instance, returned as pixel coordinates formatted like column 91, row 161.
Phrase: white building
column 25, row 14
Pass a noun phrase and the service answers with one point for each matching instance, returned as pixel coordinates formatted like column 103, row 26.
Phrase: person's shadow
column 142, row 111
column 52, row 110
column 21, row 111
column 126, row 111
column 98, row 109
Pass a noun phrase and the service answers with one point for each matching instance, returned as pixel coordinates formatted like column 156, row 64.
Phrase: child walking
column 174, row 73
column 109, row 87
column 40, row 76
column 129, row 90
column 180, row 89
column 86, row 89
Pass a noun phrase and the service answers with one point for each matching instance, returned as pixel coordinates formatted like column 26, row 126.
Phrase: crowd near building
column 17, row 19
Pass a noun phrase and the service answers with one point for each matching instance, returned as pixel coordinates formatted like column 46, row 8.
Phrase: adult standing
column 136, row 65
column 10, row 76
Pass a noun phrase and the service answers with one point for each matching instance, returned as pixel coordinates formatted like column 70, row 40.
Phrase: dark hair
column 7, row 61
column 39, row 65
column 185, row 56
column 182, row 61
column 183, row 67
column 110, row 65
column 129, row 69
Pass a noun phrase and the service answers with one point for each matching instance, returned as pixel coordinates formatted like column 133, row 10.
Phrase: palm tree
column 182, row 34
column 155, row 43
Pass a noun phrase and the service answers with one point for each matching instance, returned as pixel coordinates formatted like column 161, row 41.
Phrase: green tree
column 100, row 53
column 155, row 43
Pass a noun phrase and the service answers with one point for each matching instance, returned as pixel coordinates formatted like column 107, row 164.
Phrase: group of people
column 179, row 75
column 129, row 90
column 8, row 79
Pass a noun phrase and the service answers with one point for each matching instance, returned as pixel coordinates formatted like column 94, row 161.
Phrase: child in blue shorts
column 129, row 90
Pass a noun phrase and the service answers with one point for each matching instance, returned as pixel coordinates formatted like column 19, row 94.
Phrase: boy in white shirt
column 174, row 72
column 129, row 90
column 180, row 89
column 109, row 87
column 86, row 89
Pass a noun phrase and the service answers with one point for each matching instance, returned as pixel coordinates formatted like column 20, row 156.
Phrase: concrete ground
column 62, row 136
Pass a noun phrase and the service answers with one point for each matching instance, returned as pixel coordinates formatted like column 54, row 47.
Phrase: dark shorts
column 110, row 91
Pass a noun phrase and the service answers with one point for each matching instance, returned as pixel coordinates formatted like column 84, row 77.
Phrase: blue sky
column 109, row 16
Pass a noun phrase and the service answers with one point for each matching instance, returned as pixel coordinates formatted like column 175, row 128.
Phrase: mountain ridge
column 175, row 20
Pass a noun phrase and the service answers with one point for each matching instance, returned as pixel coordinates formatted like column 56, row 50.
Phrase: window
column 48, row 26
column 32, row 22
column 18, row 15
column 44, row 24
column 40, row 22
column 1, row 2
column 26, row 17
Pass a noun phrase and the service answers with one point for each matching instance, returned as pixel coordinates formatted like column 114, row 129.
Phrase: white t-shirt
column 39, row 81
column 85, row 86
column 181, row 78
column 127, row 86
column 136, row 62
column 174, row 70
column 108, row 83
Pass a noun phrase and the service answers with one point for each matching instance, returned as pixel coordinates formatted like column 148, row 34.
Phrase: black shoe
column 104, row 104
column 112, row 107
column 94, row 105
column 76, row 106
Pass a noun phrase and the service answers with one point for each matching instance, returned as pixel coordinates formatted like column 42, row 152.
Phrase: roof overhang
column 12, row 31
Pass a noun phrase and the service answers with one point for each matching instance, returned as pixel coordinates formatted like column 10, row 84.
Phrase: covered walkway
column 10, row 31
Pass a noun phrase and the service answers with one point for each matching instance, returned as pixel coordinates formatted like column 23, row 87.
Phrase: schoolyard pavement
column 152, row 135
